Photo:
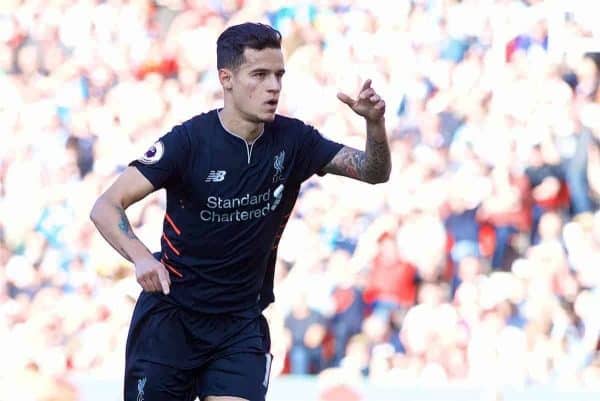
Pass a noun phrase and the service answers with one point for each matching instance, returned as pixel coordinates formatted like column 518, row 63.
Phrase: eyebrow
column 280, row 71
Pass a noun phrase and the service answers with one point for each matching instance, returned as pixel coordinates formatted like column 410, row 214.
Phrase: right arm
column 108, row 215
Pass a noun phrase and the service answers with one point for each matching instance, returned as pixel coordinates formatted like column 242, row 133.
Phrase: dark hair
column 235, row 39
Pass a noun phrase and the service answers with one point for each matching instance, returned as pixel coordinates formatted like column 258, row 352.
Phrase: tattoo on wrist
column 379, row 158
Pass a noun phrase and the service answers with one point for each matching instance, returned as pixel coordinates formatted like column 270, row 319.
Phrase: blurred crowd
column 478, row 262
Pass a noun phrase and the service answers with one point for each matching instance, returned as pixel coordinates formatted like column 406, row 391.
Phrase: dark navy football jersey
column 227, row 205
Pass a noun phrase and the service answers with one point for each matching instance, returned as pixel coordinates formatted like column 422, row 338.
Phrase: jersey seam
column 249, row 146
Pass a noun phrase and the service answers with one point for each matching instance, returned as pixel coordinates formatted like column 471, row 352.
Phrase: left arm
column 372, row 165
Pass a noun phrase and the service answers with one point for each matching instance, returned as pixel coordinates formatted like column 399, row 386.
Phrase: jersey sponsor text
column 220, row 209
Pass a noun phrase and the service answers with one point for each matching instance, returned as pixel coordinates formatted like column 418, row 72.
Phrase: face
column 254, row 87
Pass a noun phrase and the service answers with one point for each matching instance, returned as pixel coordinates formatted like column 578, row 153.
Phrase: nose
column 274, row 84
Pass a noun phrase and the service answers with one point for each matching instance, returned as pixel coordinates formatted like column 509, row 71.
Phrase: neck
column 245, row 129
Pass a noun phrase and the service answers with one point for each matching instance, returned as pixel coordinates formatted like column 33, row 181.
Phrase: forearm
column 112, row 223
column 377, row 164
column 373, row 165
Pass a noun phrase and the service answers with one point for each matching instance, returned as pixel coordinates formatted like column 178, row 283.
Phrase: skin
column 259, row 79
column 374, row 164
column 108, row 214
column 247, row 89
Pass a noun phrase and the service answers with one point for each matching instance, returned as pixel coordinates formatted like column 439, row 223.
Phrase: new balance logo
column 216, row 176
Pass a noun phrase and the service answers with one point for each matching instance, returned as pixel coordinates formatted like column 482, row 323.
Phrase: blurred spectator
column 576, row 171
column 392, row 283
column 547, row 183
column 306, row 329
column 507, row 210
column 349, row 308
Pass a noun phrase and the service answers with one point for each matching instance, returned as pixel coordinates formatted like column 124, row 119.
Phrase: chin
column 267, row 117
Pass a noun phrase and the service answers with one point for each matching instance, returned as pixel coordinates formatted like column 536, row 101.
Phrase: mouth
column 272, row 103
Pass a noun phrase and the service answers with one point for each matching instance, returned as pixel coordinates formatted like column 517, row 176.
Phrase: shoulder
column 289, row 126
column 200, row 122
column 195, row 130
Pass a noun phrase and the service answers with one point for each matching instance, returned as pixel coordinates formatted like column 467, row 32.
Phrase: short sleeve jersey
column 227, row 204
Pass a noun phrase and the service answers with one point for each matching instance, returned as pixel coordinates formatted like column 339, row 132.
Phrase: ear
column 226, row 78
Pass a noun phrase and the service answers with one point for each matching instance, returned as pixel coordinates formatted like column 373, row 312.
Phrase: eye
column 260, row 74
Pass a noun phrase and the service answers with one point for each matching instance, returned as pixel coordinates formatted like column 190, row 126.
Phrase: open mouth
column 272, row 103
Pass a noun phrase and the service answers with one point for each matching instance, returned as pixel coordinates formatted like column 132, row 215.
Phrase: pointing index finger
column 345, row 98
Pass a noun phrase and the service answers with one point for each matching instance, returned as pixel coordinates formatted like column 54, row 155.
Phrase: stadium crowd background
column 478, row 262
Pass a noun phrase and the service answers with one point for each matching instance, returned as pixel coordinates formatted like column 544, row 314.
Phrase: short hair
column 235, row 39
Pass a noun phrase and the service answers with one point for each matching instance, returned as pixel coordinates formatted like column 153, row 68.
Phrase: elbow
column 386, row 176
column 380, row 178
column 98, row 209
column 377, row 180
column 95, row 212
column 103, row 206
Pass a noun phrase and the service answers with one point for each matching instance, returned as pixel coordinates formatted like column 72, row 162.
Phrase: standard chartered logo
column 244, row 208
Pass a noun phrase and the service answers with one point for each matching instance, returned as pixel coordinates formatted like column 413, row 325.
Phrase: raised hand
column 368, row 104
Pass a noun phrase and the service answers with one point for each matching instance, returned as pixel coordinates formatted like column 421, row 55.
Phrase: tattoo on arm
column 378, row 166
column 372, row 166
column 348, row 162
column 124, row 225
